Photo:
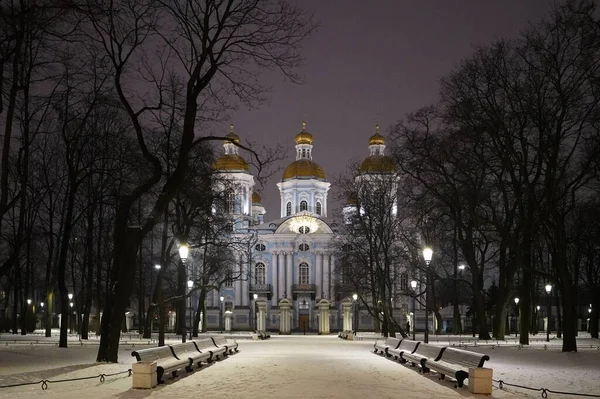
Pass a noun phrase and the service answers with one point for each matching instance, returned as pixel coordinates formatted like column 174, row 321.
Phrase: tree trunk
column 126, row 243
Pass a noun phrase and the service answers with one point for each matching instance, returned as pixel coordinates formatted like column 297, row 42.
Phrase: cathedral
column 289, row 284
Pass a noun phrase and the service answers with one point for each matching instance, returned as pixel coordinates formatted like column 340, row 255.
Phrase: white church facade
column 290, row 284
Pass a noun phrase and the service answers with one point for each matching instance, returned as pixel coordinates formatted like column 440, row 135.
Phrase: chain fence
column 544, row 391
column 44, row 383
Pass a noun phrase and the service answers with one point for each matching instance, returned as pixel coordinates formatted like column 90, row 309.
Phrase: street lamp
column 548, row 290
column 427, row 255
column 161, row 307
column 190, row 285
column 253, row 316
column 355, row 304
column 43, row 322
column 221, row 298
column 70, row 316
column 413, row 285
column 183, row 252
column 518, row 312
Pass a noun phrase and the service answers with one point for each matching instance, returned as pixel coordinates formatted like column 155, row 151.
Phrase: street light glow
column 157, row 267
column 42, row 304
column 461, row 266
column 427, row 254
column 29, row 301
column 190, row 284
column 516, row 300
column 183, row 252
column 70, row 296
column 222, row 298
column 71, row 304
column 538, row 307
column 413, row 284
column 255, row 297
column 548, row 288
column 354, row 297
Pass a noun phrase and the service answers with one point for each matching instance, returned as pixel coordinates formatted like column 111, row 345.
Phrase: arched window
column 260, row 247
column 288, row 209
column 303, row 206
column 303, row 273
column 319, row 208
column 260, row 273
column 304, row 230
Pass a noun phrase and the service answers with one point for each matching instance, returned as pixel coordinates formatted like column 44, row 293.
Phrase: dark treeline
column 108, row 110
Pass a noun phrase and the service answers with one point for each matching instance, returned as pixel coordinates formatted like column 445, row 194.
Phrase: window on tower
column 303, row 273
column 303, row 206
column 319, row 208
column 288, row 209
column 260, row 273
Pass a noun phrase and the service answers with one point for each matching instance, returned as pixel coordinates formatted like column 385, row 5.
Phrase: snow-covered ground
column 294, row 367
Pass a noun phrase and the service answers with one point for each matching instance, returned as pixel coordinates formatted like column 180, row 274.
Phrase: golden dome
column 230, row 162
column 231, row 135
column 255, row 198
column 376, row 139
column 303, row 168
column 377, row 164
column 303, row 137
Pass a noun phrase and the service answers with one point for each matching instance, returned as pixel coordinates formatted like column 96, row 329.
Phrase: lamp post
column 70, row 296
column 253, row 315
column 190, row 285
column 27, row 312
column 355, row 318
column 518, row 312
column 43, row 322
column 221, row 298
column 537, row 315
column 161, row 307
column 427, row 255
column 183, row 255
column 413, row 285
column 548, row 290
column 589, row 319
column 70, row 317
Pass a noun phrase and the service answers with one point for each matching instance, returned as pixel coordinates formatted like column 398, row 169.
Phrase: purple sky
column 382, row 60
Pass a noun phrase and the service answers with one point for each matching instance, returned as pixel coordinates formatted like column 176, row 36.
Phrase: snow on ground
column 294, row 367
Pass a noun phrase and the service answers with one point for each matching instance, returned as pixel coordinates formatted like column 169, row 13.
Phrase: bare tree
column 217, row 50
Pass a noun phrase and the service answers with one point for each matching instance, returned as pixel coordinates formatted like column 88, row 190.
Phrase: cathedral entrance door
column 303, row 324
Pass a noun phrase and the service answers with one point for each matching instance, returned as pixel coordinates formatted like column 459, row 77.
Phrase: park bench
column 190, row 351
column 456, row 363
column 383, row 346
column 207, row 346
column 166, row 361
column 230, row 347
column 216, row 350
column 407, row 346
column 423, row 353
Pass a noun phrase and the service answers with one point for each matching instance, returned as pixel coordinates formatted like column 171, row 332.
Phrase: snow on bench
column 389, row 343
column 456, row 363
column 166, row 361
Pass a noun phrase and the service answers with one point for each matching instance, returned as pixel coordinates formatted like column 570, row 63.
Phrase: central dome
column 304, row 169
column 230, row 162
column 377, row 164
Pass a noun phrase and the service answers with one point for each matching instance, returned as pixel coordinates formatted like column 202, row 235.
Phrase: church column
column 281, row 272
column 288, row 272
column 274, row 294
column 326, row 275
column 313, row 204
column 319, row 275
column 332, row 279
column 245, row 284
column 238, row 292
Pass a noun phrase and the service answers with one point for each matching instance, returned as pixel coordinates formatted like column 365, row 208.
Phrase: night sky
column 372, row 61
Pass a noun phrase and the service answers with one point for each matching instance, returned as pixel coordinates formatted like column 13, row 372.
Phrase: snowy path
column 292, row 367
